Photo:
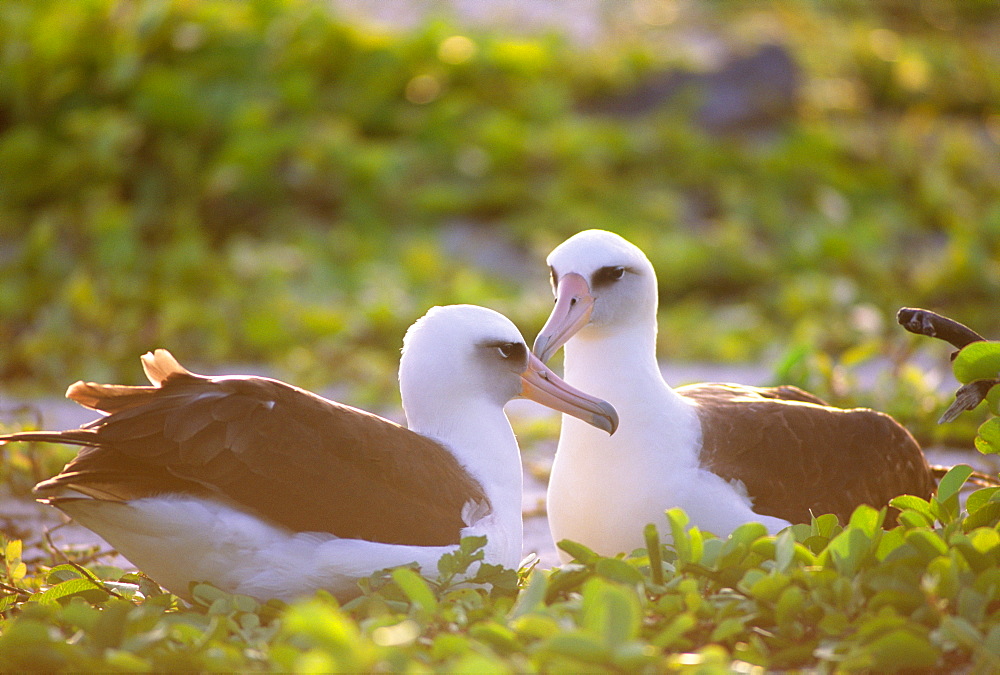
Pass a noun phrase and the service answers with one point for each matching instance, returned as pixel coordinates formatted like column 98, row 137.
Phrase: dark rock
column 748, row 93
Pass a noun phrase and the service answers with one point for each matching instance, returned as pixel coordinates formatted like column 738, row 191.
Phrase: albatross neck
column 481, row 439
column 603, row 362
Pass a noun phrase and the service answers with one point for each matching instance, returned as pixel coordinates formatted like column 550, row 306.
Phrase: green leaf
column 928, row 543
column 576, row 644
column 890, row 541
column 533, row 595
column 951, row 483
column 729, row 627
column 770, row 587
column 496, row 636
column 993, row 400
column 681, row 540
column 789, row 605
column 536, row 626
column 784, row 550
column 207, row 594
column 65, row 589
column 652, row 537
column 675, row 630
column 987, row 515
column 7, row 601
column 916, row 505
column 415, row 588
column 615, row 569
column 961, row 631
column 867, row 519
column 977, row 361
column 825, row 525
column 13, row 550
column 988, row 437
column 739, row 542
column 611, row 611
column 62, row 572
column 981, row 497
column 578, row 551
column 896, row 650
column 847, row 550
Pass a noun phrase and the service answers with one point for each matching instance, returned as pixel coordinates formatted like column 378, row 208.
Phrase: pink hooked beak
column 574, row 304
column 543, row 386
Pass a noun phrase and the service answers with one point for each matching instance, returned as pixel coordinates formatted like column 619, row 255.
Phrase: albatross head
column 602, row 283
column 460, row 354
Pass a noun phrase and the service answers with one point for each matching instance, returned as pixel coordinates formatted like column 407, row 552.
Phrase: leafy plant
column 848, row 596
column 978, row 365
column 263, row 182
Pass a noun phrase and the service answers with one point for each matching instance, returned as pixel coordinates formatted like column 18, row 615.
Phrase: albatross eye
column 507, row 349
column 607, row 275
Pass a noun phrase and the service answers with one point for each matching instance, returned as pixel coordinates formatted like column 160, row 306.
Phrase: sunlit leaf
column 988, row 437
column 611, row 611
column 847, row 550
column 618, row 570
column 952, row 482
column 578, row 551
column 652, row 537
column 680, row 539
column 415, row 588
column 533, row 595
column 977, row 361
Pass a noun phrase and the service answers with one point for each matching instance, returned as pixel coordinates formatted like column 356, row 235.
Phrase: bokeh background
column 290, row 183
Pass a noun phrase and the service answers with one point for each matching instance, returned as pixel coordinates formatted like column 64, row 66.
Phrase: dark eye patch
column 606, row 276
column 514, row 352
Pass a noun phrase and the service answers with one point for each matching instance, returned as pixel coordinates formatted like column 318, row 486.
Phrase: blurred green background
column 287, row 183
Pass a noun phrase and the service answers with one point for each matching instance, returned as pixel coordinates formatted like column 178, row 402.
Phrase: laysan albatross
column 726, row 453
column 268, row 490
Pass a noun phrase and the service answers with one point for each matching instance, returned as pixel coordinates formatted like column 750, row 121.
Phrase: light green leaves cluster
column 980, row 361
column 855, row 596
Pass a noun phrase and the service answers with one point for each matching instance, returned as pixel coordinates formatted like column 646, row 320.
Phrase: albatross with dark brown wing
column 265, row 489
column 726, row 454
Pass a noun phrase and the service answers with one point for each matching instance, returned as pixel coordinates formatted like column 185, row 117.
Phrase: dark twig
column 977, row 478
column 966, row 398
column 14, row 589
column 931, row 324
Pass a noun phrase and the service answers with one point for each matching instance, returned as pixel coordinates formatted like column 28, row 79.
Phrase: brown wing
column 797, row 457
column 285, row 454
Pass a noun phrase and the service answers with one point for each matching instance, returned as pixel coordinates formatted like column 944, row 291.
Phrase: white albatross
column 727, row 454
column 265, row 489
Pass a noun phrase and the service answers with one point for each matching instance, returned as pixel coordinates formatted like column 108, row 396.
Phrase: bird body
column 727, row 454
column 265, row 489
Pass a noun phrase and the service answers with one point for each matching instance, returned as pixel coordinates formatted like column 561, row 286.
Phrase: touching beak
column 543, row 386
column 574, row 304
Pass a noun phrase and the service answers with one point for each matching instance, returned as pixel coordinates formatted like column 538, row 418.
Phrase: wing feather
column 289, row 456
column 752, row 434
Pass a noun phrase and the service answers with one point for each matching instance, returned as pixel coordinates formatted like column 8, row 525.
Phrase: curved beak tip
column 541, row 342
column 607, row 421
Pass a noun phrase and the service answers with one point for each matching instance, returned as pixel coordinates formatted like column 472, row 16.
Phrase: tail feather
column 87, row 437
column 108, row 398
column 160, row 367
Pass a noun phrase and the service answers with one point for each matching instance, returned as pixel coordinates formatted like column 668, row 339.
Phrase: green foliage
column 980, row 361
column 825, row 595
column 260, row 181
